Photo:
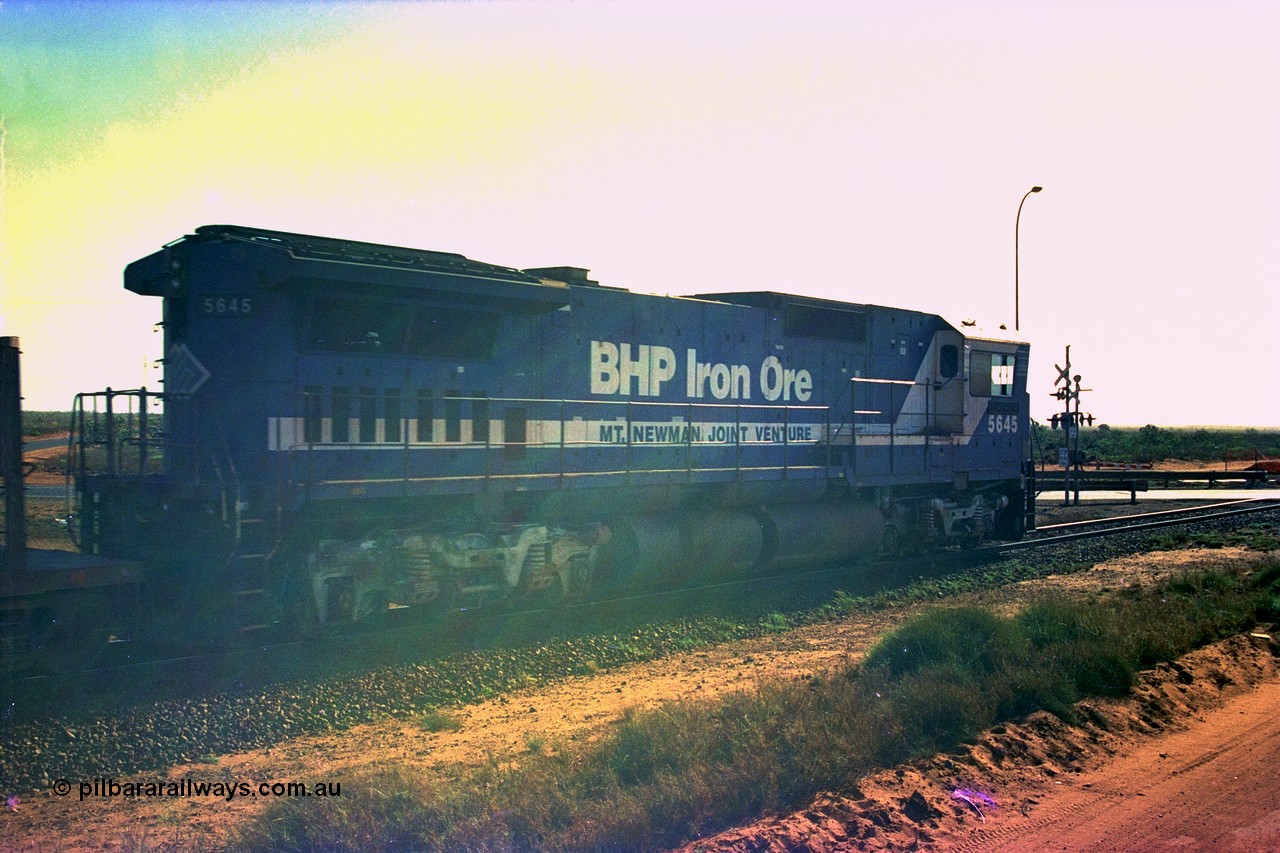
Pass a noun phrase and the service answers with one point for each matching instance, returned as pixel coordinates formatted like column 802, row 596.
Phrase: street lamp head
column 1036, row 189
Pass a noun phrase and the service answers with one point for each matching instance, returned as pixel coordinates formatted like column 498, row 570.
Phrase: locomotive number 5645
column 227, row 306
column 1002, row 423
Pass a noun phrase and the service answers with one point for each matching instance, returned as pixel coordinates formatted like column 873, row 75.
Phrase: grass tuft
column 438, row 721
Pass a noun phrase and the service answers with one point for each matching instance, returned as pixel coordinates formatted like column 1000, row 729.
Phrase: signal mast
column 1070, row 420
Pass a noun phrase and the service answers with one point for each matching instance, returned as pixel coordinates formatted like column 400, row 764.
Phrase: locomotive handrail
column 899, row 423
column 562, row 424
column 654, row 403
column 115, row 431
column 229, row 519
column 887, row 427
column 784, row 411
column 561, row 441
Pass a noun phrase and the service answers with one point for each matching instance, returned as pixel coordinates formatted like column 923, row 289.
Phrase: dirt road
column 1211, row 787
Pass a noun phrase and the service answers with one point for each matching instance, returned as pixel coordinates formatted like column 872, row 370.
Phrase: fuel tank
column 677, row 549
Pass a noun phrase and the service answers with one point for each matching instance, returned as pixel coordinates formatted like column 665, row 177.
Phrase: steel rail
column 1260, row 506
column 1163, row 512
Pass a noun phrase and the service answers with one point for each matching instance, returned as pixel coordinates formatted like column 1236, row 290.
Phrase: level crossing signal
column 1069, row 391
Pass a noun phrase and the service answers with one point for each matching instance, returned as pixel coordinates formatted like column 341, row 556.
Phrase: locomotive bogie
column 965, row 523
column 358, row 581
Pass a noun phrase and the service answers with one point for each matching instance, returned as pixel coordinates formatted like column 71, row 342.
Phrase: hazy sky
column 868, row 151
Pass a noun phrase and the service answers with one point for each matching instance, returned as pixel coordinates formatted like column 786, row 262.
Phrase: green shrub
column 966, row 637
column 1149, row 443
column 1267, row 577
column 44, row 423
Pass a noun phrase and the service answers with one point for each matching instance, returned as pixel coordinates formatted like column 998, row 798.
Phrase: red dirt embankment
column 1186, row 763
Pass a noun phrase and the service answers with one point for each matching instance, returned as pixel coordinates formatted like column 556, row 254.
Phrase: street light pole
column 1017, row 326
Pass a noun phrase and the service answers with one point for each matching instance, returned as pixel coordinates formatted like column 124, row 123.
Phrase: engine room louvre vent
column 568, row 275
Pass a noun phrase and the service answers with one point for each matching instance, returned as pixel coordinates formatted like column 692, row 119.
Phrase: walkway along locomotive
column 349, row 428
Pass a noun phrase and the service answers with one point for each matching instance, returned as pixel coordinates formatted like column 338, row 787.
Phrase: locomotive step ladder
column 247, row 575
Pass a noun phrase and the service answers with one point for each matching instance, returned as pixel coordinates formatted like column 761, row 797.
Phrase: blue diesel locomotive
column 347, row 429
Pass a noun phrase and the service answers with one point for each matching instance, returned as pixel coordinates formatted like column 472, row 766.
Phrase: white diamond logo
column 183, row 372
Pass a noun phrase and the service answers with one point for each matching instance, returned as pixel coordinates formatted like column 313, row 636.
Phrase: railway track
column 1052, row 534
column 405, row 642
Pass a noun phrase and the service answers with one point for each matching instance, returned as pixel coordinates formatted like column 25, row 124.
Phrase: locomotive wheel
column 1018, row 527
column 546, row 595
column 379, row 613
column 301, row 618
column 892, row 542
column 1011, row 524
column 578, row 574
column 444, row 606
